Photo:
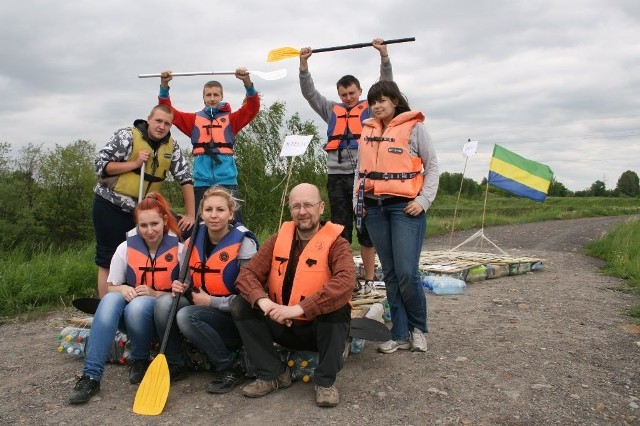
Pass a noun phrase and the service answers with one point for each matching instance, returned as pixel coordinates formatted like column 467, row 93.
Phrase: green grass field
column 33, row 281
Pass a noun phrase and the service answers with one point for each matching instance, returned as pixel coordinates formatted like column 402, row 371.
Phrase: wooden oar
column 290, row 52
column 265, row 75
column 154, row 388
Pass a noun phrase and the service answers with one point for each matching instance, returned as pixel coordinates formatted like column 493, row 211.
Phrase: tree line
column 47, row 194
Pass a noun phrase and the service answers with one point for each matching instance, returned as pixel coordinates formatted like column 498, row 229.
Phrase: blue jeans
column 212, row 331
column 397, row 238
column 173, row 351
column 134, row 318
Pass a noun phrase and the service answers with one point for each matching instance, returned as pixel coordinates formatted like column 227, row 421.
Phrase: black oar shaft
column 183, row 277
column 359, row 45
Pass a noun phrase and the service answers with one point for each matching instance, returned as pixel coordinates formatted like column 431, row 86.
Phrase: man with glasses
column 308, row 272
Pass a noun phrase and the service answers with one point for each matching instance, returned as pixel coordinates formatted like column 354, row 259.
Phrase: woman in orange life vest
column 220, row 249
column 142, row 269
column 396, row 183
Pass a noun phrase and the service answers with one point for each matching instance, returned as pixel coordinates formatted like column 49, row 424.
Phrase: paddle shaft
column 265, row 75
column 141, row 188
column 187, row 74
column 359, row 45
column 183, row 277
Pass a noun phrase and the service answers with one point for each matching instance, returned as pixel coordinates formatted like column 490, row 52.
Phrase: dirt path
column 550, row 347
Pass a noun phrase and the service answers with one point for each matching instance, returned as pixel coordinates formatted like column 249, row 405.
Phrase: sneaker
column 226, row 381
column 177, row 372
column 262, row 387
column 391, row 346
column 138, row 370
column 85, row 388
column 327, row 397
column 418, row 341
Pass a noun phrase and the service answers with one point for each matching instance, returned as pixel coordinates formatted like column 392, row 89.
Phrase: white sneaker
column 418, row 341
column 391, row 346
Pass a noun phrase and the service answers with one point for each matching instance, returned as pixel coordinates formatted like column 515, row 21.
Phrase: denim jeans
column 211, row 330
column 397, row 238
column 173, row 351
column 134, row 318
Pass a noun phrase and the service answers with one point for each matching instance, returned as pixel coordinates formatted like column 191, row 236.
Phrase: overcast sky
column 555, row 81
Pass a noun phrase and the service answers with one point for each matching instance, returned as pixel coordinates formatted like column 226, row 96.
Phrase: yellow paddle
column 154, row 389
column 290, row 52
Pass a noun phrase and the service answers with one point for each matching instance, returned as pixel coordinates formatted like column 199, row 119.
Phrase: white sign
column 469, row 148
column 295, row 145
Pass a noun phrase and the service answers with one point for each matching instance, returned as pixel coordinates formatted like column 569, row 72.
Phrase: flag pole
column 455, row 210
column 286, row 188
column 484, row 209
column 480, row 233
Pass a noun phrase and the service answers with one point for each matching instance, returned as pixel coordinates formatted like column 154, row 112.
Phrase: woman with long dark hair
column 397, row 180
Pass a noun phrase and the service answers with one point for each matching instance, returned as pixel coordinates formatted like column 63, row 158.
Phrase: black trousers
column 326, row 334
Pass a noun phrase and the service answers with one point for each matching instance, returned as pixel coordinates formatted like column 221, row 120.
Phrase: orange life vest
column 212, row 136
column 217, row 274
column 345, row 126
column 385, row 162
column 312, row 271
column 157, row 272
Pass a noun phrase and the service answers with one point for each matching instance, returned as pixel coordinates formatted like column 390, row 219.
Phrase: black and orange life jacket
column 157, row 272
column 217, row 273
column 345, row 126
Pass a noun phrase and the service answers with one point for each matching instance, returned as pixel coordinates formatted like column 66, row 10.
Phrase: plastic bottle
column 119, row 351
column 302, row 364
column 442, row 284
column 477, row 273
column 537, row 266
column 72, row 340
column 357, row 345
column 386, row 312
column 375, row 312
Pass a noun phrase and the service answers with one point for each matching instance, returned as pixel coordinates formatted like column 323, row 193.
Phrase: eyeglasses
column 307, row 206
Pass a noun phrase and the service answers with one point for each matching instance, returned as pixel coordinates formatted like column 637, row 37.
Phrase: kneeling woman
column 219, row 250
column 142, row 269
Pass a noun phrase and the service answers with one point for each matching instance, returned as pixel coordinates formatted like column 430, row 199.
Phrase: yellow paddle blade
column 154, row 389
column 282, row 53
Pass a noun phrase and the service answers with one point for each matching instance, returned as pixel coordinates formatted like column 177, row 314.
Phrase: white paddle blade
column 271, row 75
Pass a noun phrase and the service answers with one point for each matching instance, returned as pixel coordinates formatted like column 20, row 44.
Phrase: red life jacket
column 212, row 136
column 345, row 126
column 217, row 274
column 312, row 271
column 158, row 272
column 385, row 161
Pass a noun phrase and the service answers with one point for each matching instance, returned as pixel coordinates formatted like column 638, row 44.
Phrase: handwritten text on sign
column 295, row 145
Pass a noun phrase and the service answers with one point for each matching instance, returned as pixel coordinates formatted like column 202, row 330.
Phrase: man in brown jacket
column 309, row 273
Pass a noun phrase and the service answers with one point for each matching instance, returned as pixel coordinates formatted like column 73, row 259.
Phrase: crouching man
column 308, row 270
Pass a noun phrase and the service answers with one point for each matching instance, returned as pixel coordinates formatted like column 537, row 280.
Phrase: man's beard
column 307, row 226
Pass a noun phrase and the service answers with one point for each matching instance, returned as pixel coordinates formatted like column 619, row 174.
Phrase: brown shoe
column 327, row 397
column 262, row 387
